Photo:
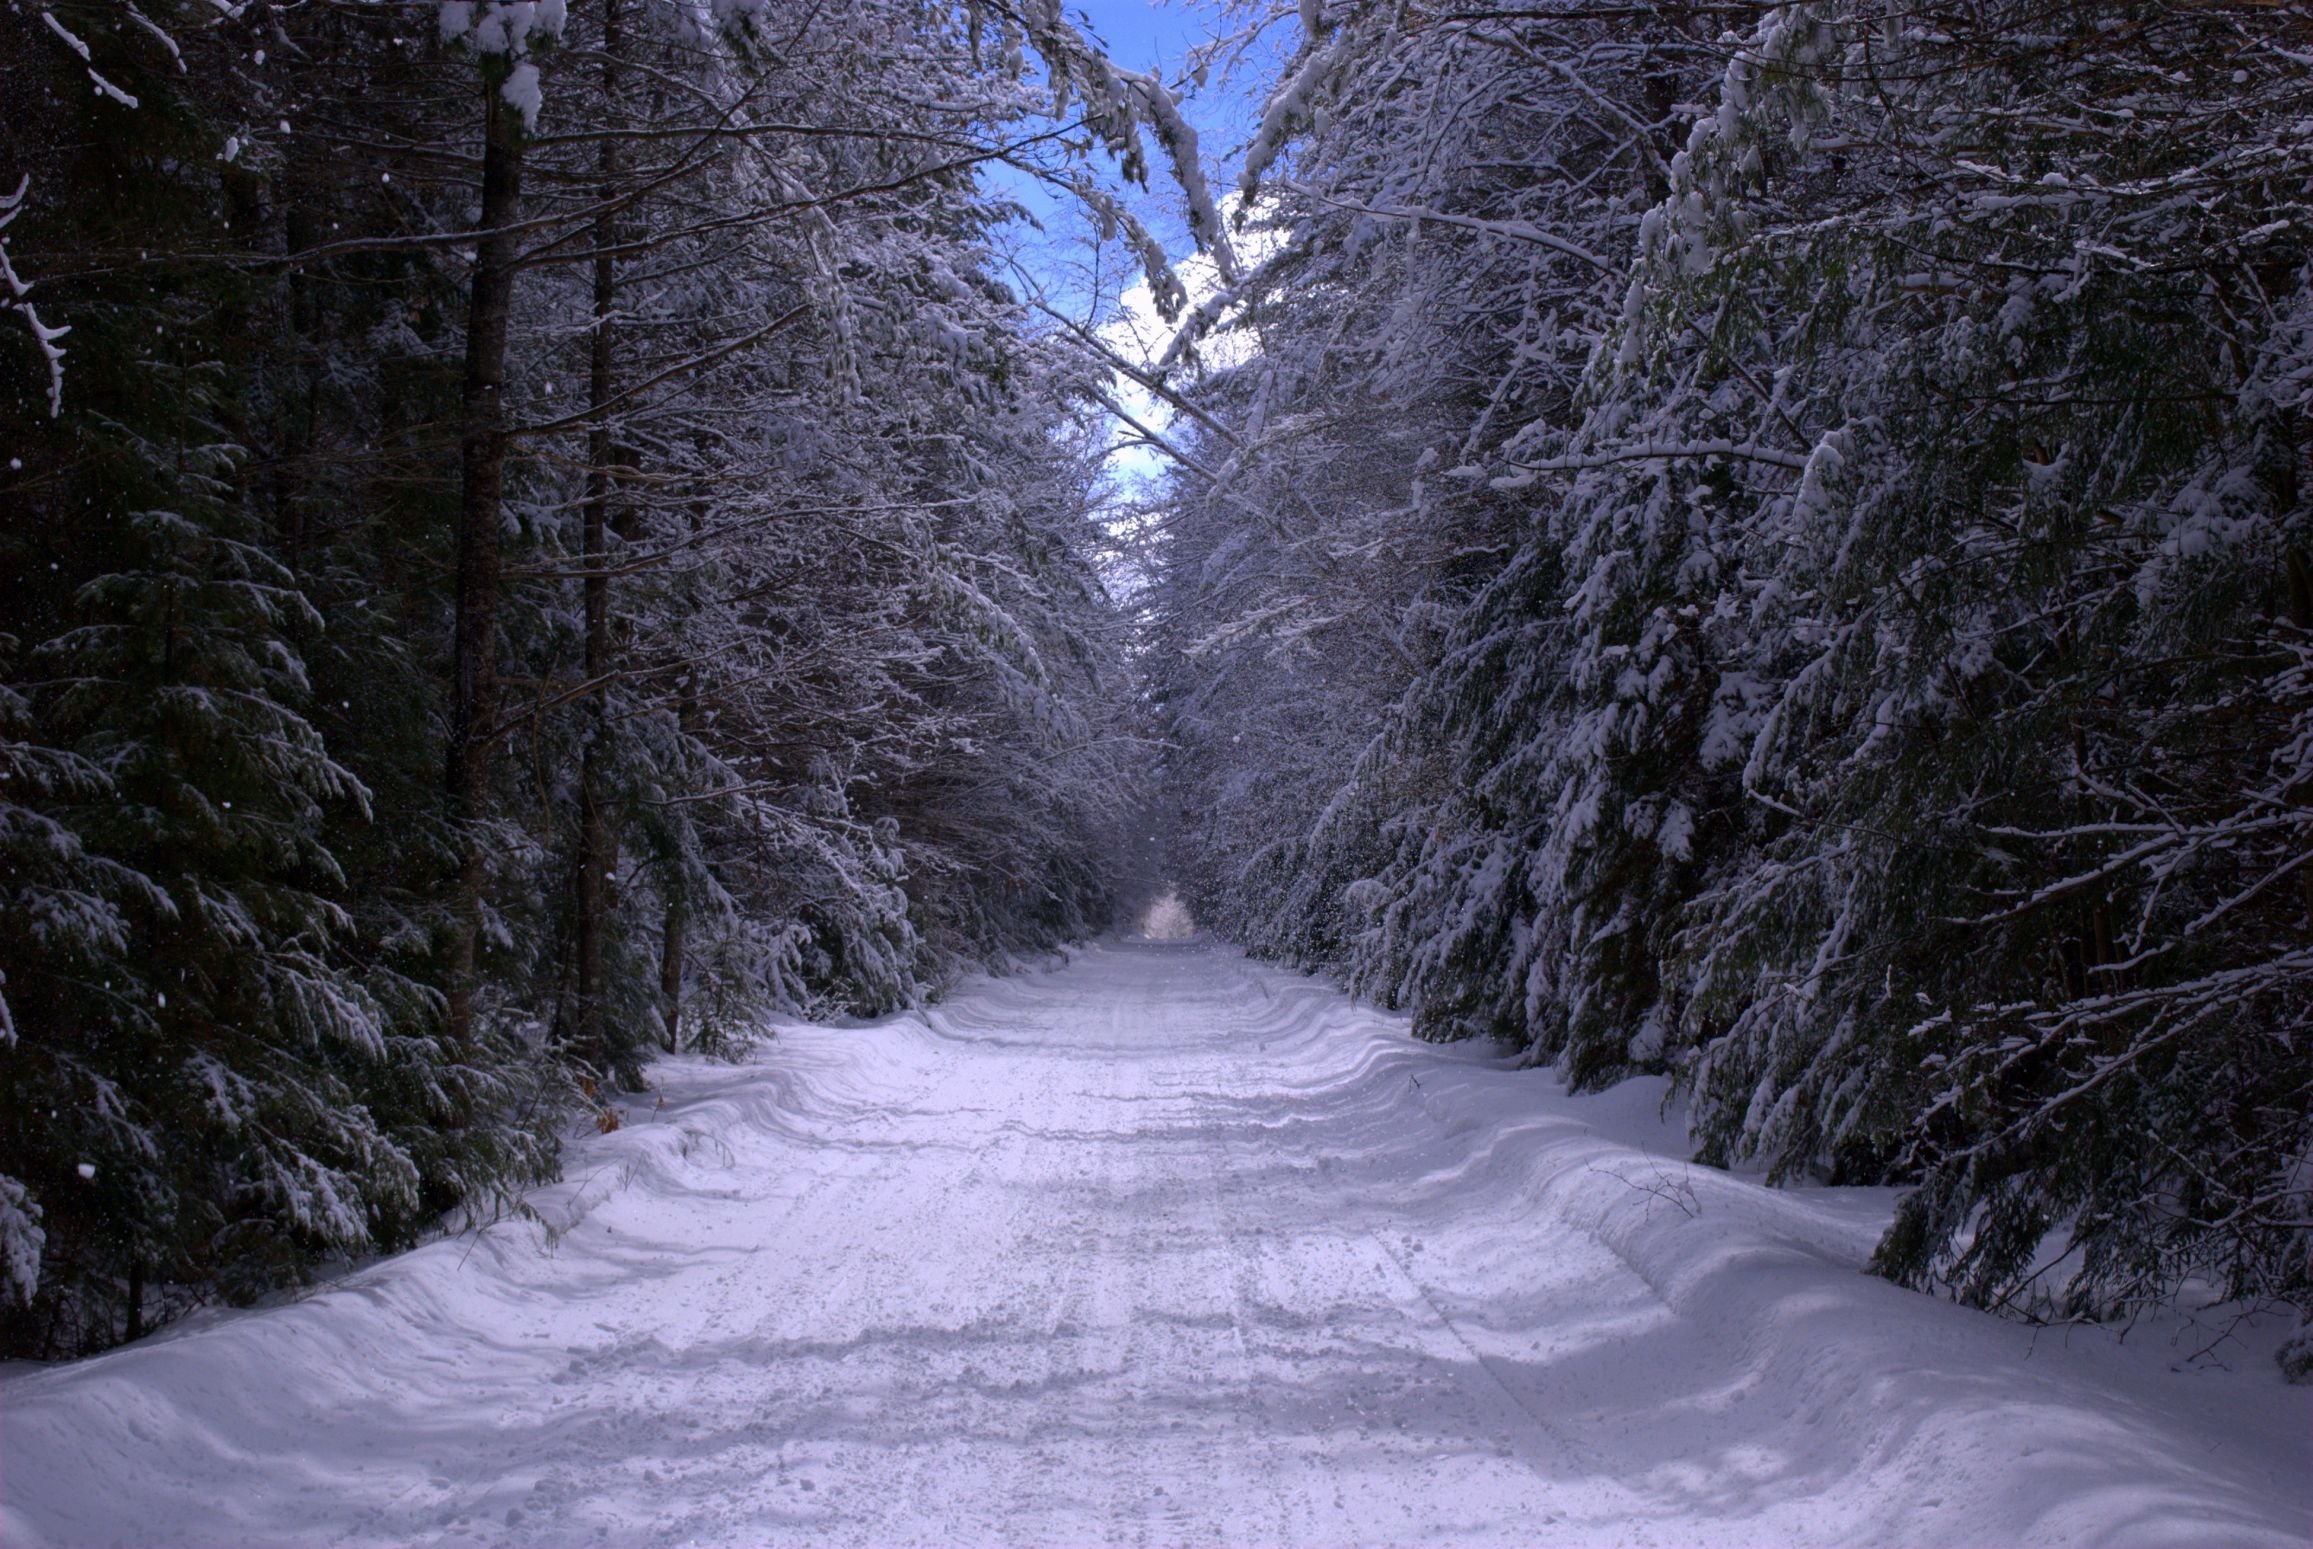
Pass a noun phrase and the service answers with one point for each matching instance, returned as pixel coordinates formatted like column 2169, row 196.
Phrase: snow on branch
column 73, row 42
column 504, row 29
column 501, row 26
column 160, row 35
column 1289, row 108
column 1179, row 138
column 2160, row 1013
column 1192, row 329
column 1115, row 104
column 1516, row 231
column 1644, row 451
column 11, row 206
column 21, row 1242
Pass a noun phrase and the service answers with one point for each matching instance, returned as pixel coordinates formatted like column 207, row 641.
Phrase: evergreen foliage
column 545, row 538
column 1853, row 595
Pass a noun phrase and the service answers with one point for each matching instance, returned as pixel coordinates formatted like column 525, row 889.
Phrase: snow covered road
column 1161, row 1248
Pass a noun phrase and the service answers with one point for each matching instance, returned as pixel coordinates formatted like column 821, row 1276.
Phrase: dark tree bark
column 671, row 973
column 482, row 445
column 136, row 1299
column 671, row 942
column 597, row 842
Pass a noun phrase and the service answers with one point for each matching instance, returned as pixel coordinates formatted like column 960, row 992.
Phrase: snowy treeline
column 1771, row 542
column 529, row 533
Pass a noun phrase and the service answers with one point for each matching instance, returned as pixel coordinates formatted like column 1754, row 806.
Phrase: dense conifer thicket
column 529, row 533
column 1771, row 543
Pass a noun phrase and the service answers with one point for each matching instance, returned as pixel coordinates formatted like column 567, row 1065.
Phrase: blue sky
column 1140, row 35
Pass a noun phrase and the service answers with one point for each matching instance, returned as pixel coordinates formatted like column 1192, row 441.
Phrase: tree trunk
column 136, row 1299
column 2300, row 575
column 2297, row 570
column 671, row 973
column 597, row 843
column 671, row 943
column 482, row 482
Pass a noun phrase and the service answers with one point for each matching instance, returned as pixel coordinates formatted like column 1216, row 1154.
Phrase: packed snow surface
column 1159, row 1248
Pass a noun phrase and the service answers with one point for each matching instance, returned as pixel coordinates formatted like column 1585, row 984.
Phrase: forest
column 1759, row 541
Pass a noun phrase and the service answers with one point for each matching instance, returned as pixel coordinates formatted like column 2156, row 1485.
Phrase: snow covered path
column 1161, row 1248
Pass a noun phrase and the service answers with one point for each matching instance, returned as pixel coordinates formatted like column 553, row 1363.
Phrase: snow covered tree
column 612, row 409
column 2019, row 920
column 1460, row 191
column 214, row 1078
column 1887, row 713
